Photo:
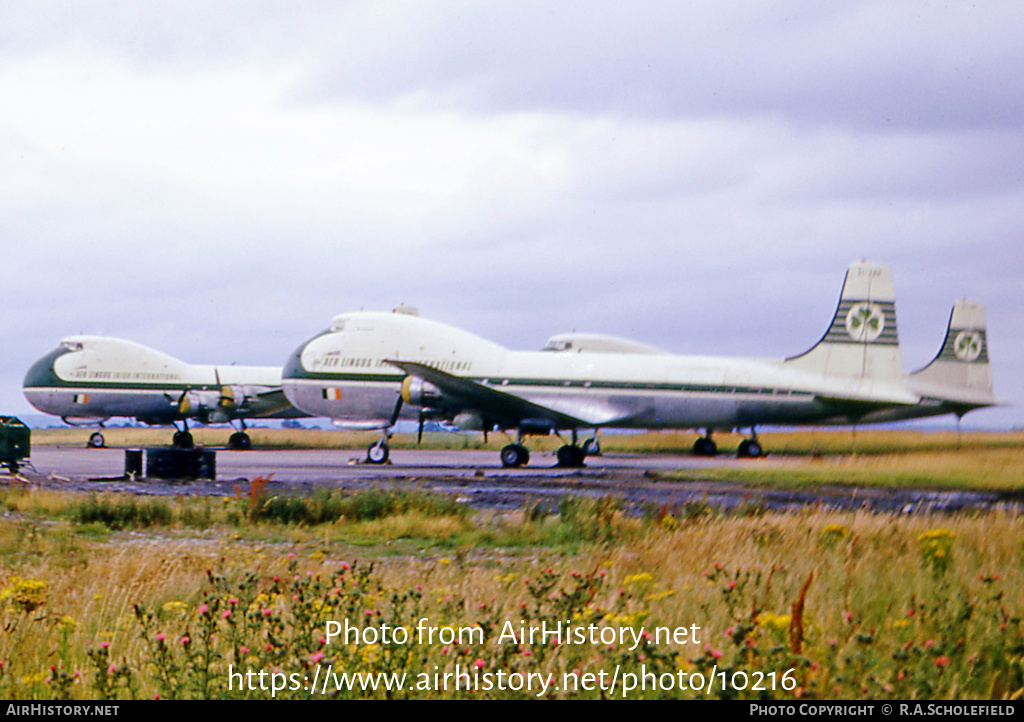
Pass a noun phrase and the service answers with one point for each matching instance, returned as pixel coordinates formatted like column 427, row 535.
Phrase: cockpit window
column 338, row 325
column 71, row 345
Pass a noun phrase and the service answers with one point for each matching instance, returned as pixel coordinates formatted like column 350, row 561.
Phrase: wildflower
column 316, row 657
column 942, row 661
column 928, row 643
column 479, row 664
column 203, row 609
column 291, row 555
column 345, row 566
column 185, row 640
column 243, row 650
column 105, row 645
column 226, row 614
column 232, row 601
column 160, row 637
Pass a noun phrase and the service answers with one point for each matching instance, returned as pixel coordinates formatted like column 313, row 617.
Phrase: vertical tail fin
column 861, row 343
column 960, row 373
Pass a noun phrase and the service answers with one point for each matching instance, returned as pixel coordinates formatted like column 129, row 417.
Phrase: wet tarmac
column 477, row 478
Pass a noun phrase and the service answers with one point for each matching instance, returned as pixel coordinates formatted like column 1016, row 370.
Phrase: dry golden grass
column 872, row 592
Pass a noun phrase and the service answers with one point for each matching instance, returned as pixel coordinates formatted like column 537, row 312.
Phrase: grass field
column 114, row 597
column 942, row 460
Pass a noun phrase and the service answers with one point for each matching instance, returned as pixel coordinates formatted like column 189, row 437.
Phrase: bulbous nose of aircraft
column 41, row 376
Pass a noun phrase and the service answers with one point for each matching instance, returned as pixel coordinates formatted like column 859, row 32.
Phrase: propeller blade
column 227, row 394
column 184, row 405
column 419, row 429
column 396, row 412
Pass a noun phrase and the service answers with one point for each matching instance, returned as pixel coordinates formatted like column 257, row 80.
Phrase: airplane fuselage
column 88, row 379
column 346, row 374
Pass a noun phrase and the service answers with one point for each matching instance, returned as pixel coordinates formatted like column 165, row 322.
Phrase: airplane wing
column 273, row 404
column 502, row 405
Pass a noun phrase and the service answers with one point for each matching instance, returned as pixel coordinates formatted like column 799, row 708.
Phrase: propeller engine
column 216, row 406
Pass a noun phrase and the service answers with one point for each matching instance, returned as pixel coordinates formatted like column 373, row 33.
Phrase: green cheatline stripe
column 498, row 383
column 115, row 386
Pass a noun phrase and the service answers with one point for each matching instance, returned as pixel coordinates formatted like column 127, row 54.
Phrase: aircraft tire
column 705, row 447
column 96, row 440
column 514, row 456
column 592, row 447
column 183, row 440
column 750, row 449
column 377, row 454
column 570, row 456
column 240, row 441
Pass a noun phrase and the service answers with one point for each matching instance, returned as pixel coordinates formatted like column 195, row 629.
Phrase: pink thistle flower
column 232, row 601
column 111, row 669
column 243, row 650
column 105, row 645
column 929, row 643
column 160, row 637
column 847, row 615
column 291, row 555
column 226, row 614
column 479, row 664
column 185, row 640
column 203, row 609
column 346, row 566
column 942, row 661
column 268, row 647
column 316, row 657
column 267, row 612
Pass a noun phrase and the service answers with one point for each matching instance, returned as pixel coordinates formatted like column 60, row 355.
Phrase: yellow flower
column 779, row 622
column 27, row 594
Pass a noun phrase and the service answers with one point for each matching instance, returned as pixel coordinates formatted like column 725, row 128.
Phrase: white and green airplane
column 368, row 370
column 89, row 379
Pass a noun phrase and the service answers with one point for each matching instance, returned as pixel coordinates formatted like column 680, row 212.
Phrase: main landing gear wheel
column 570, row 456
column 592, row 447
column 704, row 446
column 515, row 455
column 240, row 441
column 182, row 440
column 750, row 449
column 96, row 440
column 377, row 453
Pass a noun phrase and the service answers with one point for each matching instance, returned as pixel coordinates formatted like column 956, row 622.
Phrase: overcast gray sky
column 217, row 180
